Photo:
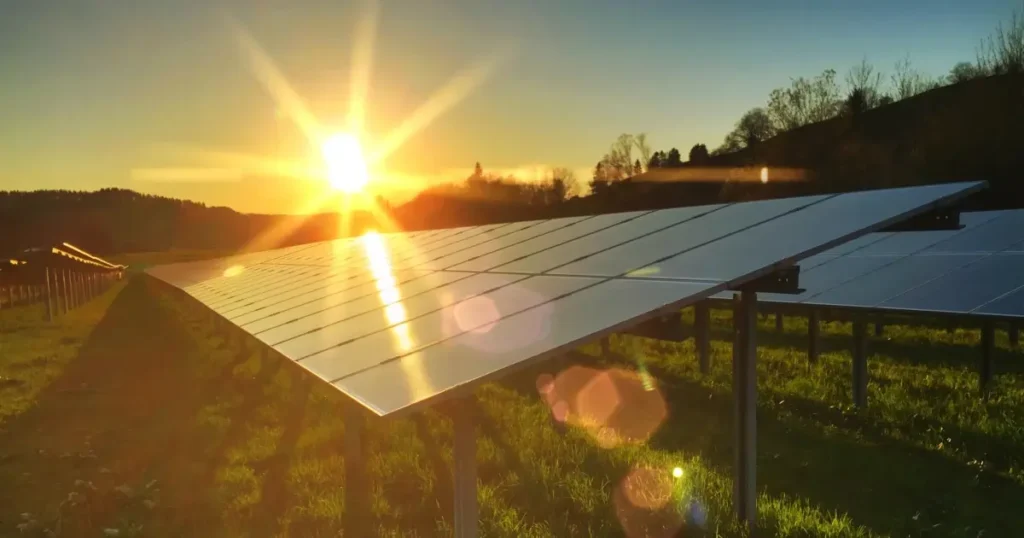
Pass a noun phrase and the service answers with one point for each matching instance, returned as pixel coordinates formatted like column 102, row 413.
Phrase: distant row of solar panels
column 395, row 320
column 977, row 270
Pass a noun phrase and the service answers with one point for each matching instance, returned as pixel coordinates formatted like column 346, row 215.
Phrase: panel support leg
column 701, row 336
column 1013, row 332
column 987, row 349
column 357, row 491
column 606, row 346
column 860, row 364
column 744, row 389
column 813, row 328
column 779, row 323
column 879, row 328
column 64, row 283
column 49, row 309
column 464, row 456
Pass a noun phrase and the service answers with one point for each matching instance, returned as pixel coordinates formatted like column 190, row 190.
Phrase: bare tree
column 645, row 150
column 564, row 180
column 1003, row 52
column 864, row 78
column 804, row 102
column 907, row 81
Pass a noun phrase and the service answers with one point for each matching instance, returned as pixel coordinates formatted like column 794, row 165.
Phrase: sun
column 346, row 167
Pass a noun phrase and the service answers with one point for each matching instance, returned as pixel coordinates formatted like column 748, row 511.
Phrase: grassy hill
column 967, row 131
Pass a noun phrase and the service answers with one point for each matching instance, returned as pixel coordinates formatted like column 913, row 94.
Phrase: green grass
column 181, row 433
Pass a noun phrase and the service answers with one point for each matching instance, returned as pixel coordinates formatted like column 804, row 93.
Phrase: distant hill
column 112, row 221
column 967, row 131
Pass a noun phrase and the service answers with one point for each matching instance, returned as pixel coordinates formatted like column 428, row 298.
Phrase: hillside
column 972, row 130
column 966, row 131
column 122, row 221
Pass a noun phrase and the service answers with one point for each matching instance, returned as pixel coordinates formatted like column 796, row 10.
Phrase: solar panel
column 975, row 270
column 396, row 322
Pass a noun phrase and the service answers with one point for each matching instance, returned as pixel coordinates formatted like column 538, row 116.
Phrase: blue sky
column 91, row 88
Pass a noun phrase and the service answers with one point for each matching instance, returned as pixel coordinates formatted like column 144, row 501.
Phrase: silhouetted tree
column 657, row 160
column 699, row 154
column 673, row 159
column 1003, row 52
column 856, row 102
column 964, row 71
column 804, row 102
column 637, row 168
column 754, row 126
column 863, row 79
column 907, row 81
column 645, row 150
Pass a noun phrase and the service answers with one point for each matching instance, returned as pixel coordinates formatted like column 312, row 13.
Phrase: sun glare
column 346, row 168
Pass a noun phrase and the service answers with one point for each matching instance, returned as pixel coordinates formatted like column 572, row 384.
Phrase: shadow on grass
column 804, row 452
column 113, row 417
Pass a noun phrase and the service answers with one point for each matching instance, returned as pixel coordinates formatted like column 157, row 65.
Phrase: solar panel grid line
column 527, row 238
column 356, row 252
column 313, row 297
column 997, row 299
column 965, row 271
column 240, row 292
column 333, row 279
column 976, row 225
column 625, row 276
column 965, row 265
column 703, row 228
column 895, row 260
column 297, row 282
column 781, row 215
column 372, row 294
column 563, row 228
column 634, row 308
column 507, row 294
column 456, row 249
column 490, row 247
column 822, row 225
column 572, row 229
column 465, row 330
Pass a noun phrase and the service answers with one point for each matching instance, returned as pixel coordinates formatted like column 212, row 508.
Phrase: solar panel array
column 397, row 320
column 977, row 270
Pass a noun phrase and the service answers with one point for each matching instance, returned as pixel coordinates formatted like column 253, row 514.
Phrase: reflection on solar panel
column 916, row 271
column 433, row 311
column 399, row 321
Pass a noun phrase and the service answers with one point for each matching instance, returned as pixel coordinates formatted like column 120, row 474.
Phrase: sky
column 100, row 94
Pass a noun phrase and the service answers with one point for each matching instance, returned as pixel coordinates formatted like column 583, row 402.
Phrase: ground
column 133, row 417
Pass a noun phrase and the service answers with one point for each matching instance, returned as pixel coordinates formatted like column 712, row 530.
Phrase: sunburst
column 346, row 163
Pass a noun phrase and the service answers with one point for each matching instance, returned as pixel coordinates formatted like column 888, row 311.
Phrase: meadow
column 132, row 416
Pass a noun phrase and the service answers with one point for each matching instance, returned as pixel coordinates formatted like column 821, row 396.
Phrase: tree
column 964, row 71
column 907, row 81
column 885, row 100
column 856, row 102
column 564, row 183
column 863, row 78
column 673, row 159
column 804, row 102
column 754, row 126
column 643, row 148
column 637, row 168
column 699, row 154
column 1003, row 52
column 657, row 160
column 599, row 183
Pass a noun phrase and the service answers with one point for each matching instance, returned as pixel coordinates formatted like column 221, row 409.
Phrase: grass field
column 130, row 417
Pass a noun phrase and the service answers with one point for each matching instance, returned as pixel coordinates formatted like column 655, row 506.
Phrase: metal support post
column 744, row 390
column 779, row 323
column 357, row 491
column 813, row 328
column 1013, row 333
column 464, row 456
column 67, row 290
column 49, row 308
column 701, row 335
column 860, row 363
column 987, row 349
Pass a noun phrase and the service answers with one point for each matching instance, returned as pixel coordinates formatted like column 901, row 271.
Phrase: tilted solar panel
column 396, row 322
